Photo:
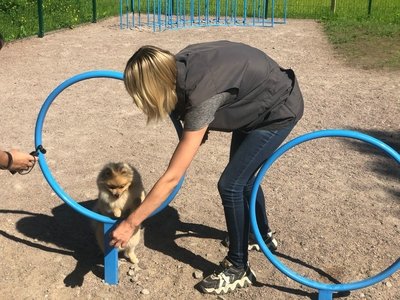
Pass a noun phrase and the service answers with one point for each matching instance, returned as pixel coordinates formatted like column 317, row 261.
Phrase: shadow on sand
column 71, row 234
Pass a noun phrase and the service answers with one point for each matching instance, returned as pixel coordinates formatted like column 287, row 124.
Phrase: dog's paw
column 132, row 257
column 117, row 213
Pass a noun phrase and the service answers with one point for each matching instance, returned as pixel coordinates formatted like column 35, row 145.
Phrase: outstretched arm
column 180, row 161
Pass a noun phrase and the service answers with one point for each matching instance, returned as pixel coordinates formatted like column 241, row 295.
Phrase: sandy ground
column 333, row 203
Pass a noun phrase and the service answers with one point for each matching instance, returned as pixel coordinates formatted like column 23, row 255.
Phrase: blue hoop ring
column 42, row 161
column 325, row 290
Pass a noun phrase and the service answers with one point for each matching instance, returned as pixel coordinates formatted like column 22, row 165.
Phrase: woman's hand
column 121, row 235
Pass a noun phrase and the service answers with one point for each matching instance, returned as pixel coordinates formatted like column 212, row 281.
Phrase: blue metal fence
column 174, row 14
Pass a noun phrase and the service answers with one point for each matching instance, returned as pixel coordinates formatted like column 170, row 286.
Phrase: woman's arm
column 180, row 161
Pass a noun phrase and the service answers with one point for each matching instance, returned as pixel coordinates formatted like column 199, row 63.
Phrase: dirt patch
column 334, row 203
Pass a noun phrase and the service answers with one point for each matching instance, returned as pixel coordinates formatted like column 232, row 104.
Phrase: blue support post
column 206, row 10
column 198, row 12
column 154, row 15
column 148, row 12
column 325, row 295
column 226, row 11
column 110, row 257
column 272, row 12
column 133, row 13
column 191, row 13
column 127, row 13
column 159, row 15
column 217, row 11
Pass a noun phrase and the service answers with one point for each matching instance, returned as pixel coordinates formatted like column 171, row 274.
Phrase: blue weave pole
column 111, row 254
column 325, row 291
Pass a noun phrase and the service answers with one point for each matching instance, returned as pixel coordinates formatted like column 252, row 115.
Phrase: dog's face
column 115, row 179
column 117, row 185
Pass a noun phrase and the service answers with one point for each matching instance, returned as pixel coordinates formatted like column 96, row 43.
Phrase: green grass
column 366, row 43
column 362, row 40
column 19, row 18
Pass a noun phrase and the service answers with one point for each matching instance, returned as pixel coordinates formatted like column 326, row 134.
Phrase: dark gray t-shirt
column 200, row 116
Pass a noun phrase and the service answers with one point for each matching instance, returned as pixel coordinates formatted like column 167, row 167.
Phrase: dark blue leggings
column 248, row 152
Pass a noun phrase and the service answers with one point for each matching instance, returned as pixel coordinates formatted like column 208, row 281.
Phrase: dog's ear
column 106, row 173
column 123, row 169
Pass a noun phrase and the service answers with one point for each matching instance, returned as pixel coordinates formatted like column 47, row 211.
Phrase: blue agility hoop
column 325, row 290
column 111, row 255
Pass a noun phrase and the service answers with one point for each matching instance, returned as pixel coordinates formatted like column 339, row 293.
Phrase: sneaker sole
column 242, row 283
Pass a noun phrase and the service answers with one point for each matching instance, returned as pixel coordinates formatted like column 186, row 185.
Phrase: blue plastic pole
column 206, row 10
column 191, row 13
column 254, row 11
column 159, row 15
column 166, row 13
column 110, row 257
column 226, row 11
column 272, row 12
column 127, row 13
column 198, row 12
column 325, row 295
column 148, row 12
column 183, row 13
column 133, row 12
column 178, row 13
column 154, row 15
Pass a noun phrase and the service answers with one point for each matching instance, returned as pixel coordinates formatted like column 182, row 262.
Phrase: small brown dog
column 120, row 193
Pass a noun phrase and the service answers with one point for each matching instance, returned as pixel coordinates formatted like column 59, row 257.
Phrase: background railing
column 21, row 18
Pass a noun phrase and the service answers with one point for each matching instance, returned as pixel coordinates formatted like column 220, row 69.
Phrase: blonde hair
column 150, row 79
